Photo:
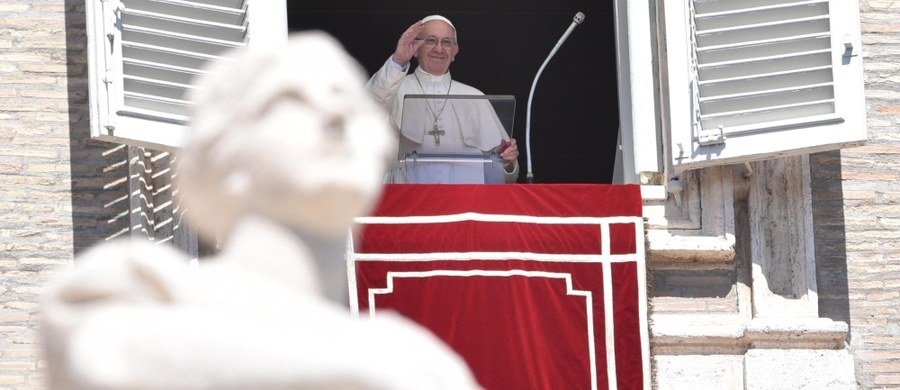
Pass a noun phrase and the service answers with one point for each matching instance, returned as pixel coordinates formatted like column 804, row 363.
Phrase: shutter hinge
column 849, row 47
column 650, row 178
column 712, row 137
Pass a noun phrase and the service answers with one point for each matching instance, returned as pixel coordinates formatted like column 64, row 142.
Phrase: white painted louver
column 761, row 61
column 757, row 68
column 166, row 43
column 144, row 56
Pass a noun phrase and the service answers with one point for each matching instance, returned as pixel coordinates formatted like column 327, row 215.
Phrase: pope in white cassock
column 438, row 125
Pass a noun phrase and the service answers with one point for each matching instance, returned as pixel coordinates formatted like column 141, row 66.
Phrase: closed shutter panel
column 149, row 52
column 765, row 78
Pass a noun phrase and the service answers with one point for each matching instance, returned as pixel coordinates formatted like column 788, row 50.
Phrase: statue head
column 288, row 133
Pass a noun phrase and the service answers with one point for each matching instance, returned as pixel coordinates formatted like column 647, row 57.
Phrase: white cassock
column 462, row 126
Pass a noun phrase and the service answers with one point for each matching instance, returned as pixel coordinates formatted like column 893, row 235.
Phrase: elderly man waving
column 433, row 42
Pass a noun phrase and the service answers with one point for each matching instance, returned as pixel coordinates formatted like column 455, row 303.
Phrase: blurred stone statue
column 286, row 148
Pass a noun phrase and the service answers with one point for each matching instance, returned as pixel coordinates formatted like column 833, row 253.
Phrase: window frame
column 651, row 64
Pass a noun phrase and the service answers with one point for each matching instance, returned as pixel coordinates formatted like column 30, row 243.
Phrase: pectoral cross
column 437, row 133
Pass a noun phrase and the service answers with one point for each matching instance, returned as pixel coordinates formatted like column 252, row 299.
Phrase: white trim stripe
column 479, row 217
column 465, row 256
column 609, row 322
column 588, row 297
column 350, row 258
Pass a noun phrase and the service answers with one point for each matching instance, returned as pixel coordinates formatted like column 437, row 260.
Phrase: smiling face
column 436, row 59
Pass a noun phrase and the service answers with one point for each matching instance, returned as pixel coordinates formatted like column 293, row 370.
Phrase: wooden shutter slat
column 155, row 71
column 758, row 32
column 765, row 66
column 729, row 6
column 153, row 106
column 161, row 39
column 746, row 120
column 163, row 89
column 767, row 16
column 766, row 98
column 788, row 79
column 185, row 26
column 190, row 10
column 223, row 3
column 764, row 48
column 167, row 56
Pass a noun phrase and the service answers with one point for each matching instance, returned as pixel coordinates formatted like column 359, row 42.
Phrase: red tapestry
column 535, row 286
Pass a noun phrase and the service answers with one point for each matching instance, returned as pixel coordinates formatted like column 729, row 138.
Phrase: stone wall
column 59, row 192
column 858, row 211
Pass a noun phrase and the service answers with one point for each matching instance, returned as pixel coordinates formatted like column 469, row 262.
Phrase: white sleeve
column 385, row 83
column 511, row 177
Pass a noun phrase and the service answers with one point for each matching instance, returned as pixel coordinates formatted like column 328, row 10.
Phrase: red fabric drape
column 496, row 290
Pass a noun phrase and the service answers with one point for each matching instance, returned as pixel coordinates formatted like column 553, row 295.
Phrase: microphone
column 579, row 17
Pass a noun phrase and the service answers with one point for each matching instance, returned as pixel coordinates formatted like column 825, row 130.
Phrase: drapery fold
column 535, row 286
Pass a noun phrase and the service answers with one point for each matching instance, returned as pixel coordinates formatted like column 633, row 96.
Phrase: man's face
column 436, row 58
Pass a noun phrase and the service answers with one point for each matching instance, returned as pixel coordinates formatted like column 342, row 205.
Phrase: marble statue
column 286, row 148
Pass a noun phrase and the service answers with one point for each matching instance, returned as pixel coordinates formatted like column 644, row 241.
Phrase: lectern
column 453, row 139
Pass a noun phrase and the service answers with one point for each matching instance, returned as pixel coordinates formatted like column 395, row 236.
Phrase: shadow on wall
column 117, row 190
column 830, row 237
column 99, row 170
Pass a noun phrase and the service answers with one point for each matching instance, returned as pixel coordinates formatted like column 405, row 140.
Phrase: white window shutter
column 145, row 54
column 755, row 79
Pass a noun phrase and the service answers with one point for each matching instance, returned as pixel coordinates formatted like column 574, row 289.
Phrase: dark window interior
column 574, row 117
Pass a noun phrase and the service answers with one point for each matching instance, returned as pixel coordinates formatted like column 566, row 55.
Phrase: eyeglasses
column 446, row 43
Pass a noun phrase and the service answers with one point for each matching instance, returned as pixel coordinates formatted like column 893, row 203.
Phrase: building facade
column 780, row 273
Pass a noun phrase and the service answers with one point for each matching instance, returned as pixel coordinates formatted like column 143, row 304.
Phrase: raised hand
column 407, row 44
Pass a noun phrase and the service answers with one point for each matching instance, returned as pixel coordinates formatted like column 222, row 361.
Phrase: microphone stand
column 579, row 17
